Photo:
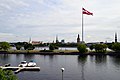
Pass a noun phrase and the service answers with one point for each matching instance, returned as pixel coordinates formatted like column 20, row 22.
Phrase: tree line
column 82, row 48
column 99, row 48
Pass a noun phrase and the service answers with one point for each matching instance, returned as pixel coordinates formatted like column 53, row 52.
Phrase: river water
column 76, row 67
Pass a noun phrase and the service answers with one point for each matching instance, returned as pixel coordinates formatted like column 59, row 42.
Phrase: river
column 76, row 67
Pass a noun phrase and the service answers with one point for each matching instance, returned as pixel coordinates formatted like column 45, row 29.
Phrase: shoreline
column 63, row 53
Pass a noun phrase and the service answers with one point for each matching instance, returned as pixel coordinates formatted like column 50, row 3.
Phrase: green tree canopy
column 100, row 48
column 51, row 47
column 116, row 47
column 82, row 48
column 4, row 45
column 29, row 47
column 92, row 47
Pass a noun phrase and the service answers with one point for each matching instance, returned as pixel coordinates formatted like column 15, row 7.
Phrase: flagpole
column 84, row 11
column 82, row 27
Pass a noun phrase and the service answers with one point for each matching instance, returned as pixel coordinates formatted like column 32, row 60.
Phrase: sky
column 43, row 20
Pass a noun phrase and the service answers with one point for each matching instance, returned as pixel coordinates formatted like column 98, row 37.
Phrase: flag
column 84, row 11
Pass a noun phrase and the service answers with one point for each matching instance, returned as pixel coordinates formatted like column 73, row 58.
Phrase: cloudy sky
column 42, row 20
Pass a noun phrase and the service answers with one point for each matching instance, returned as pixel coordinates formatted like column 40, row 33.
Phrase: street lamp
column 62, row 69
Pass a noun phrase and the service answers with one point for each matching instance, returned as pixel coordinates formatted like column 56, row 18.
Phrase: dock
column 18, row 69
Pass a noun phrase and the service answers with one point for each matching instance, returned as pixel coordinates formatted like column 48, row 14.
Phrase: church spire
column 78, row 39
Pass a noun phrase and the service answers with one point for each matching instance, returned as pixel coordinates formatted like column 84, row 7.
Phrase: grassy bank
column 57, row 52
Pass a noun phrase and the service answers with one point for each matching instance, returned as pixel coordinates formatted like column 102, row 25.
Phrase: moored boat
column 23, row 64
column 31, row 64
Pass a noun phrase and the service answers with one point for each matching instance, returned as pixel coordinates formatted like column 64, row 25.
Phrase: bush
column 82, row 48
column 7, row 75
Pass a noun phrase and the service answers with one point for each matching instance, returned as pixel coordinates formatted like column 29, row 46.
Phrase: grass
column 23, row 51
column 66, row 51
column 37, row 51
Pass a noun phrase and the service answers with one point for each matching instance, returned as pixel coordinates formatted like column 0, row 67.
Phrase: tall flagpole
column 87, row 13
column 82, row 27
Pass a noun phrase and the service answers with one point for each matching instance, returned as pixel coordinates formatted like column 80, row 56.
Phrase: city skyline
column 42, row 20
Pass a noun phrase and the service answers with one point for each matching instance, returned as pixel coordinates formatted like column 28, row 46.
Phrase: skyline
column 42, row 20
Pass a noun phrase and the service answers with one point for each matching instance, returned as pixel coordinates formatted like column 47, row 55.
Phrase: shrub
column 7, row 75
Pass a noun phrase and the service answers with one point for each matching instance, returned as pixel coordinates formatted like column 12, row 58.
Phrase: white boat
column 23, row 64
column 31, row 64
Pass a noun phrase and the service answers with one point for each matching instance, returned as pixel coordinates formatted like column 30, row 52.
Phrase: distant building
column 63, row 41
column 78, row 39
column 36, row 42
column 57, row 41
column 115, row 37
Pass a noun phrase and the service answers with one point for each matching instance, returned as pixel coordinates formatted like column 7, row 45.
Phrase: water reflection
column 4, row 59
column 28, row 57
column 51, row 57
column 116, row 60
column 82, row 60
column 100, row 59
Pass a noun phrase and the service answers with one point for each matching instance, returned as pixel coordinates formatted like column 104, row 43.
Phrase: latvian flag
column 84, row 11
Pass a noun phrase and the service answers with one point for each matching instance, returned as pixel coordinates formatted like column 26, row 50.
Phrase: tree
column 18, row 47
column 7, row 75
column 51, row 47
column 29, row 47
column 116, row 47
column 100, row 48
column 82, row 48
column 92, row 47
column 4, row 45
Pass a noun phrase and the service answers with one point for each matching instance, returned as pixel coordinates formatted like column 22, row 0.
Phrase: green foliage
column 100, row 48
column 56, row 47
column 4, row 46
column 51, row 47
column 7, row 75
column 116, row 47
column 92, row 47
column 109, row 46
column 18, row 47
column 29, row 47
column 82, row 48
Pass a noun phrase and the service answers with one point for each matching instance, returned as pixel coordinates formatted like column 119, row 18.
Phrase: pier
column 18, row 69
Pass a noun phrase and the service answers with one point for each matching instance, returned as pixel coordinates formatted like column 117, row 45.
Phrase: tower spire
column 78, row 39
column 29, row 40
column 115, row 37
column 57, row 41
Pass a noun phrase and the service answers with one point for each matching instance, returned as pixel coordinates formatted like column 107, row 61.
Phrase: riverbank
column 58, row 53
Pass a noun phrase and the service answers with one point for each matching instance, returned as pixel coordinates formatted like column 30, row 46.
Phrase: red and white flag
column 84, row 11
